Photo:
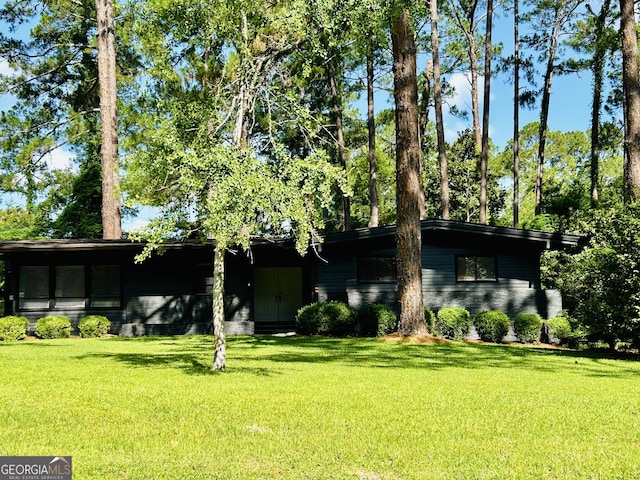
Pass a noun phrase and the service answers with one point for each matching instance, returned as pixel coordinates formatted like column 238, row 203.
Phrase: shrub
column 326, row 318
column 492, row 325
column 453, row 322
column 376, row 319
column 13, row 328
column 311, row 321
column 430, row 320
column 94, row 326
column 527, row 327
column 561, row 331
column 53, row 326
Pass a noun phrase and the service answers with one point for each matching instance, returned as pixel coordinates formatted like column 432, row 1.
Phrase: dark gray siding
column 517, row 289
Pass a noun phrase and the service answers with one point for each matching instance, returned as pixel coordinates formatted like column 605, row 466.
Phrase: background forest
column 288, row 103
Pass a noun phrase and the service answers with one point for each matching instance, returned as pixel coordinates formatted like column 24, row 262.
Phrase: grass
column 312, row 408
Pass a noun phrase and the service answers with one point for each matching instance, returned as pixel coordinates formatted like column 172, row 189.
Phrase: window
column 69, row 286
column 105, row 286
column 34, row 287
column 69, row 291
column 377, row 270
column 476, row 269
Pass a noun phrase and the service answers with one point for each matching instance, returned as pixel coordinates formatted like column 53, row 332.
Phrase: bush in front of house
column 326, row 318
column 93, row 326
column 527, row 327
column 561, row 331
column 492, row 325
column 430, row 320
column 453, row 322
column 311, row 321
column 53, row 326
column 376, row 320
column 13, row 328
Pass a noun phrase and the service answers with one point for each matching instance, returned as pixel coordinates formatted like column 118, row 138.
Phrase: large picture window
column 69, row 286
column 476, row 269
column 377, row 270
column 69, row 290
column 34, row 287
column 105, row 286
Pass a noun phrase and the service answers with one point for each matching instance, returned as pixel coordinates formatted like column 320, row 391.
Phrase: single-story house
column 463, row 264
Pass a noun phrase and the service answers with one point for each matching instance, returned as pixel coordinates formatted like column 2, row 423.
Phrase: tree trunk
column 220, row 346
column 111, row 208
column 371, row 128
column 544, row 118
column 597, row 67
column 484, row 159
column 342, row 155
column 516, row 116
column 469, row 31
column 437, row 93
column 631, row 86
column 408, row 178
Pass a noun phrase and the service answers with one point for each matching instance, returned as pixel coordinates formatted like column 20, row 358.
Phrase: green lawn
column 303, row 408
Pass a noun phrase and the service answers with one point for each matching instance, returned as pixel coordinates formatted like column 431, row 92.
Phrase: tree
column 437, row 92
column 551, row 18
column 409, row 190
column 484, row 160
column 111, row 210
column 210, row 160
column 631, row 88
column 464, row 16
column 596, row 39
column 600, row 284
column 516, row 115
column 53, row 91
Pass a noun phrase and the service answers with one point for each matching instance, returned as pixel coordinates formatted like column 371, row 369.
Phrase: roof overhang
column 548, row 240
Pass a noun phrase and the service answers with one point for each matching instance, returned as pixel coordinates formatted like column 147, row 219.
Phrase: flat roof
column 549, row 240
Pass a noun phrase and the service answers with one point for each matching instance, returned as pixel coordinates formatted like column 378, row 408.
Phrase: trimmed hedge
column 53, row 326
column 376, row 320
column 562, row 333
column 13, row 328
column 527, row 327
column 430, row 320
column 453, row 322
column 492, row 325
column 326, row 318
column 93, row 326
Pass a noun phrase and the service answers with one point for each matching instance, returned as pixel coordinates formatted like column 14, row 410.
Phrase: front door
column 277, row 294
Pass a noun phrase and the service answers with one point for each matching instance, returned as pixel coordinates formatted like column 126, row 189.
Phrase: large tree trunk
column 371, row 128
column 220, row 346
column 342, row 154
column 111, row 209
column 516, row 116
column 484, row 158
column 631, row 86
column 408, row 178
column 437, row 93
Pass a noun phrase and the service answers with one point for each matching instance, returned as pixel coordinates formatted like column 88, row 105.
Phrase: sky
column 569, row 108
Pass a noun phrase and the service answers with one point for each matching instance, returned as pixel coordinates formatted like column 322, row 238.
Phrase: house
column 475, row 266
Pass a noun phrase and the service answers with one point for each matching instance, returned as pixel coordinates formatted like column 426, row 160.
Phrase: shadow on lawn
column 375, row 354
column 193, row 356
